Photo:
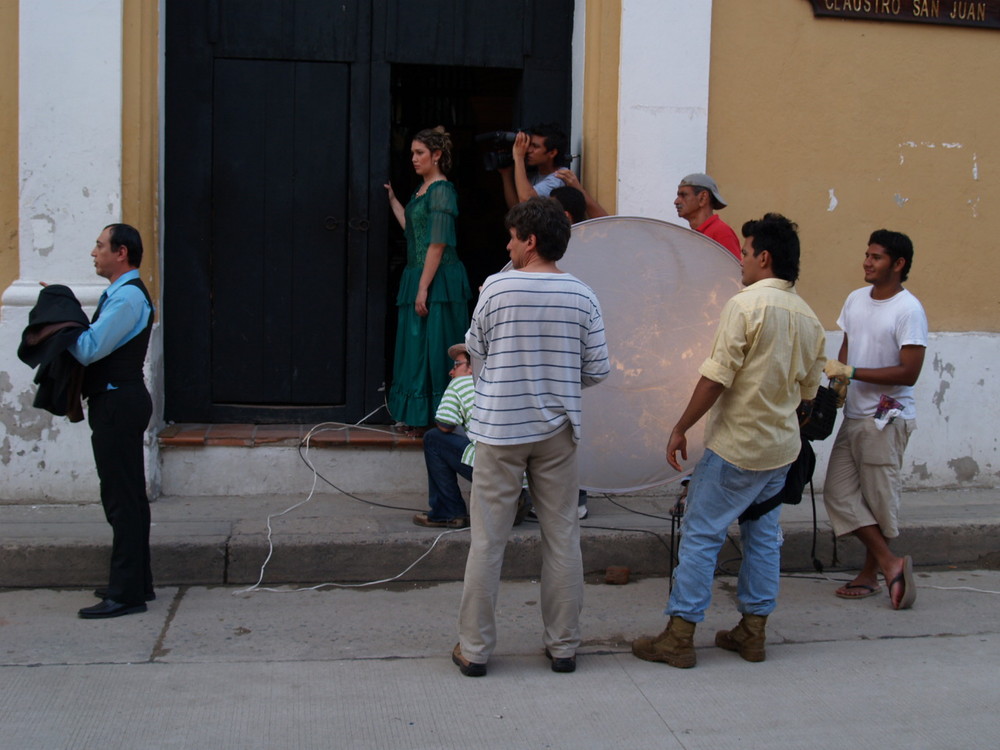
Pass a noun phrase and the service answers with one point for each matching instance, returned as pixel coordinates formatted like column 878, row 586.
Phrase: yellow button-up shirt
column 768, row 354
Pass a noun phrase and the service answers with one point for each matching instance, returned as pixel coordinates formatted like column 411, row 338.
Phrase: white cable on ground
column 959, row 588
column 324, row 427
column 919, row 585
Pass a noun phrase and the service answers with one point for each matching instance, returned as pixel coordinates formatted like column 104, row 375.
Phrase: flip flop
column 863, row 589
column 905, row 578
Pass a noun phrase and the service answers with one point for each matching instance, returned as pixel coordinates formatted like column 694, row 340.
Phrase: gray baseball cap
column 699, row 179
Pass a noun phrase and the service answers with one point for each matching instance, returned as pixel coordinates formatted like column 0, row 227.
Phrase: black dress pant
column 118, row 420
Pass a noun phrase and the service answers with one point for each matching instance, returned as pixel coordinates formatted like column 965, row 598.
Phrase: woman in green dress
column 434, row 290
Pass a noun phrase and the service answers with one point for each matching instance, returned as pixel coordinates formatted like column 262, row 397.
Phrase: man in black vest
column 113, row 350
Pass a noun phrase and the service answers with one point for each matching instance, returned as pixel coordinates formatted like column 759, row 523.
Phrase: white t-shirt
column 876, row 331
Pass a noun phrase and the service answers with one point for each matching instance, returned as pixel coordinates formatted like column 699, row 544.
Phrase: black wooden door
column 270, row 291
column 279, row 233
column 277, row 139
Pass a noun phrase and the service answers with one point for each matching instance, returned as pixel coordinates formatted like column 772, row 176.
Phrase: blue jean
column 719, row 492
column 443, row 457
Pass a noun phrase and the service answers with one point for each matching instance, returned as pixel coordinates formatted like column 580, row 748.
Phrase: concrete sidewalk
column 370, row 668
column 223, row 540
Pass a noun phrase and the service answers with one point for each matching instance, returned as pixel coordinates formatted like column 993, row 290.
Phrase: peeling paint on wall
column 938, row 398
column 974, row 204
column 24, row 421
column 43, row 234
column 833, row 201
column 927, row 144
column 900, row 200
column 975, row 167
column 965, row 468
column 943, row 368
column 920, row 471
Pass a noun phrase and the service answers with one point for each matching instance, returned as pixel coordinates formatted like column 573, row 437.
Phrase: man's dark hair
column 554, row 137
column 124, row 234
column 544, row 218
column 779, row 237
column 571, row 200
column 897, row 245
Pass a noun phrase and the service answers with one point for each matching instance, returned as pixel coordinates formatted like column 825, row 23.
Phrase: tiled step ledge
column 257, row 435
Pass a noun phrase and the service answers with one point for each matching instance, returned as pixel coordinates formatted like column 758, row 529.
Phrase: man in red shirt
column 697, row 201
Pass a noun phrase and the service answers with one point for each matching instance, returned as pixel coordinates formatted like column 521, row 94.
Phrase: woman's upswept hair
column 437, row 139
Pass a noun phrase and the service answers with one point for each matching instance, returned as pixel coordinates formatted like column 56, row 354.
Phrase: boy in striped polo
column 446, row 447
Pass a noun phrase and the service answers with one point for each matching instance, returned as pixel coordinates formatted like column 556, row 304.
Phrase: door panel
column 279, row 195
column 290, row 29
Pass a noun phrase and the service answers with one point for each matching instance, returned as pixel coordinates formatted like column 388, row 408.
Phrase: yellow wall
column 140, row 131
column 9, row 261
column 600, row 100
column 898, row 119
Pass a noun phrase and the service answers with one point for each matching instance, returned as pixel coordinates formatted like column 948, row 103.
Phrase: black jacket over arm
column 54, row 324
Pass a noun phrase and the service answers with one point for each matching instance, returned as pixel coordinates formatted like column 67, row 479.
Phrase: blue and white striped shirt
column 540, row 337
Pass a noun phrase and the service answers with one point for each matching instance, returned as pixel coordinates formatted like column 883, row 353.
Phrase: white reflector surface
column 661, row 289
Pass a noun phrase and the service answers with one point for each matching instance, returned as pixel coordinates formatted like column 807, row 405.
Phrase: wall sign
column 983, row 14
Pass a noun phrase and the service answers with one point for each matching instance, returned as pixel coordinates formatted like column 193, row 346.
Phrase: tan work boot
column 747, row 638
column 674, row 646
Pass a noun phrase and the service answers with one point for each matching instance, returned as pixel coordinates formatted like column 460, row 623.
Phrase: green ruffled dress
column 420, row 374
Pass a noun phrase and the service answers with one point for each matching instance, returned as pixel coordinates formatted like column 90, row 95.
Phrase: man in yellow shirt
column 767, row 356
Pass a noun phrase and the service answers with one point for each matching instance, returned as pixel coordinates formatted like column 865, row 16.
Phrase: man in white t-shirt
column 885, row 338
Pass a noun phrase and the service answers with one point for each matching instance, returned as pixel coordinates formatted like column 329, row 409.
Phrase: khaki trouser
column 864, row 475
column 496, row 485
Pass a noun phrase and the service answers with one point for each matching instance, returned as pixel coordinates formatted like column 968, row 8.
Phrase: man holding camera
column 543, row 150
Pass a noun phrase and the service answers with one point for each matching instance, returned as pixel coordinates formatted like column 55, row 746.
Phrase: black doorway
column 467, row 101
column 282, row 122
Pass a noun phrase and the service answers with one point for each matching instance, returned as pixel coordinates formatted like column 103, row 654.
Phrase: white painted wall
column 70, row 134
column 663, row 106
column 70, row 147
column 955, row 443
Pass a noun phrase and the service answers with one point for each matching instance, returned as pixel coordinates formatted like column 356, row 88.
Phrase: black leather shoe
column 466, row 667
column 566, row 664
column 103, row 594
column 110, row 608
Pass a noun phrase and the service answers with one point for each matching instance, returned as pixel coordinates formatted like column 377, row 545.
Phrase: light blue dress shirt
column 124, row 315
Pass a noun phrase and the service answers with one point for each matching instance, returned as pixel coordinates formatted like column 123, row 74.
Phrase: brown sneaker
column 747, row 638
column 421, row 519
column 674, row 646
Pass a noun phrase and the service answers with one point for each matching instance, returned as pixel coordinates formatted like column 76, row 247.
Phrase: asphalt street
column 211, row 667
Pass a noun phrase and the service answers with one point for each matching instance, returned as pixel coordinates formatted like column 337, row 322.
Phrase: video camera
column 498, row 144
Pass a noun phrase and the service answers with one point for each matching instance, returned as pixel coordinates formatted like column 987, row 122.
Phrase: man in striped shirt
column 540, row 337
